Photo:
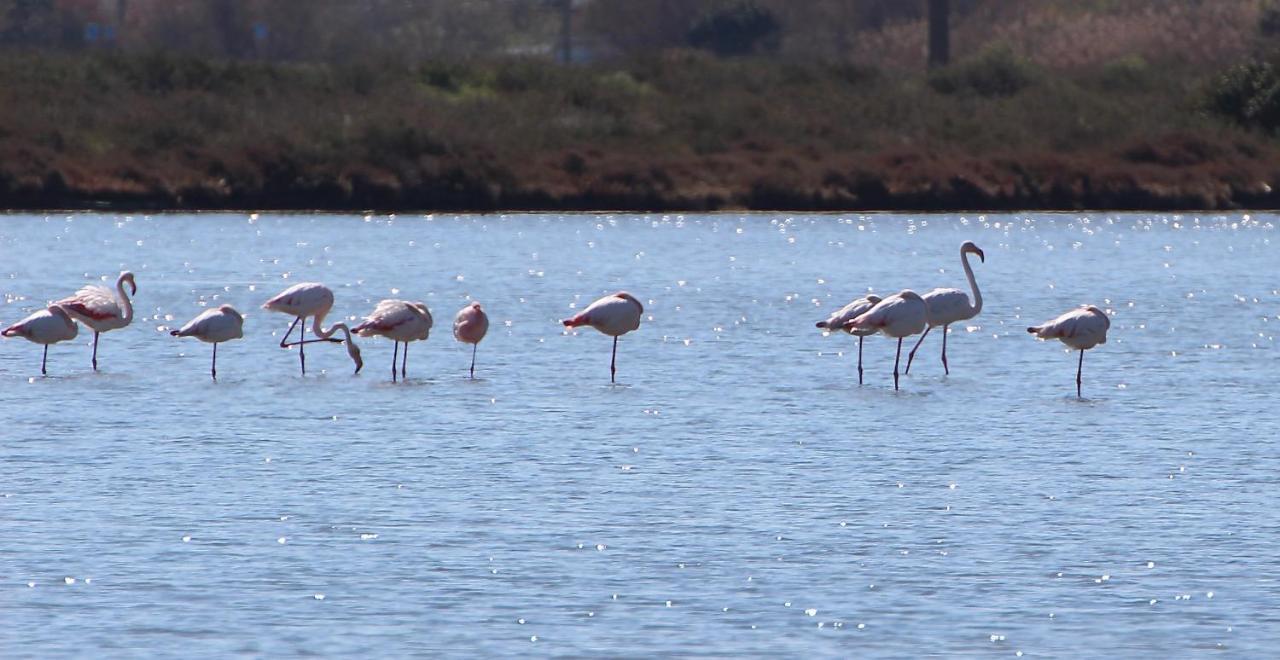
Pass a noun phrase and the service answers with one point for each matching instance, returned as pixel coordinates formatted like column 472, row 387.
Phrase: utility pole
column 939, row 33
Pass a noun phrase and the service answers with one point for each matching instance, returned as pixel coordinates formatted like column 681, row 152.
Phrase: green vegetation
column 681, row 129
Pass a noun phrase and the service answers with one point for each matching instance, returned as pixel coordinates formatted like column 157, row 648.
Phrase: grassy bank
column 678, row 131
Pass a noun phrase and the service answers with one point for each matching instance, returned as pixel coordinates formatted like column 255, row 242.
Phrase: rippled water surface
column 736, row 493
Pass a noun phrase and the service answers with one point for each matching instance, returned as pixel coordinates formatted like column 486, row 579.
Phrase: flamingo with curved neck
column 947, row 306
column 101, row 310
column 314, row 300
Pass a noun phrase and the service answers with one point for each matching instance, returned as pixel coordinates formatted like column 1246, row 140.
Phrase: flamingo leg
column 896, row 359
column 95, row 351
column 613, row 363
column 1079, row 368
column 302, row 345
column 945, row 330
column 912, row 355
column 44, row 360
column 404, row 362
column 284, row 341
column 473, row 359
column 395, row 353
column 213, row 368
column 860, row 359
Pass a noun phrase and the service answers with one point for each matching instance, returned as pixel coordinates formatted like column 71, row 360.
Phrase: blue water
column 736, row 494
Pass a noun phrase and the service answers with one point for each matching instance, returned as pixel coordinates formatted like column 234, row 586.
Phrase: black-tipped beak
column 982, row 257
column 133, row 288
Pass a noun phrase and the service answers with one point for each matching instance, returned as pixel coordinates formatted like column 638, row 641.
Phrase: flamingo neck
column 973, row 284
column 125, row 303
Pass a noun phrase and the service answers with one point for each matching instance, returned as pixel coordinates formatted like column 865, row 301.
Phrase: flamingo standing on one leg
column 314, row 300
column 901, row 315
column 399, row 321
column 469, row 327
column 615, row 316
column 1081, row 329
column 947, row 306
column 47, row 326
column 101, row 310
column 847, row 313
column 214, row 326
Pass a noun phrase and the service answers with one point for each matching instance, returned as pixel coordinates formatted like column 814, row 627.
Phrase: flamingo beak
column 133, row 288
column 981, row 257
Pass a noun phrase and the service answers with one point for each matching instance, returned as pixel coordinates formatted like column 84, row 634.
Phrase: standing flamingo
column 469, row 327
column 847, row 313
column 101, row 310
column 314, row 300
column 399, row 321
column 1081, row 329
column 47, row 326
column 947, row 306
column 213, row 326
column 901, row 315
column 615, row 316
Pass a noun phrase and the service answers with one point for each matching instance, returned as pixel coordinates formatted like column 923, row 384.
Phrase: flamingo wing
column 92, row 303
column 947, row 306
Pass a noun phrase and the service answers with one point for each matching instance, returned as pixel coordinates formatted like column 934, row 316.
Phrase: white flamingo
column 901, row 315
column 100, row 309
column 310, row 299
column 214, row 326
column 848, row 313
column 399, row 321
column 469, row 327
column 614, row 315
column 1081, row 329
column 947, row 306
column 47, row 326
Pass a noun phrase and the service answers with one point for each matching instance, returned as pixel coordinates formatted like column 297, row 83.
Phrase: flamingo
column 901, row 315
column 101, row 310
column 47, row 326
column 1081, row 328
column 469, row 327
column 314, row 300
column 947, row 306
column 848, row 313
column 399, row 321
column 213, row 326
column 614, row 315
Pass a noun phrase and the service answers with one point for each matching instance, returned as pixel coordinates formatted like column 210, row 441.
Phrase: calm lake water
column 736, row 494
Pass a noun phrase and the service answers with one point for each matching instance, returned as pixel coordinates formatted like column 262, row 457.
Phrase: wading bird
column 848, row 313
column 901, row 315
column 615, row 316
column 469, row 327
column 947, row 306
column 401, row 322
column 47, row 326
column 314, row 300
column 214, row 326
column 1081, row 329
column 101, row 310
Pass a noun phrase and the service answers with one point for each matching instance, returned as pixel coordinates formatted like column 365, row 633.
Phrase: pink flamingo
column 314, row 300
column 399, row 321
column 469, row 327
column 100, row 309
column 947, row 306
column 47, row 326
column 615, row 316
column 847, row 313
column 1081, row 329
column 214, row 326
column 901, row 315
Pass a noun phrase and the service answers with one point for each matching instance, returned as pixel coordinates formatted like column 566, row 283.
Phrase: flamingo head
column 127, row 276
column 968, row 247
column 354, row 352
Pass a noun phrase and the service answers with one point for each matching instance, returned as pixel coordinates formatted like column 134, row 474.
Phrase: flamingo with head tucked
column 947, row 306
column 614, row 315
column 901, row 315
column 469, row 327
column 1081, row 329
column 47, row 326
column 400, row 321
column 214, row 326
column 100, row 309
column 847, row 313
column 313, row 300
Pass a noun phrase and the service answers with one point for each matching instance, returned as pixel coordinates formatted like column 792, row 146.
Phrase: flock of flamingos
column 898, row 316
